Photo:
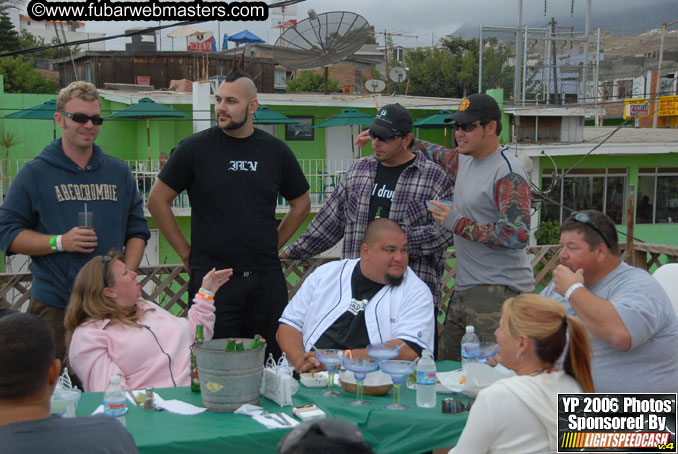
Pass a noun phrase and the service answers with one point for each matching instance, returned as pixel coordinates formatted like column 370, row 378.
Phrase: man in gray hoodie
column 39, row 216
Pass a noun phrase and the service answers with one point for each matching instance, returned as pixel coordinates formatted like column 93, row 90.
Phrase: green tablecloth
column 410, row 431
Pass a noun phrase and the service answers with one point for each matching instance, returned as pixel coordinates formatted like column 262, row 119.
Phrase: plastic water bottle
column 115, row 403
column 469, row 345
column 426, row 381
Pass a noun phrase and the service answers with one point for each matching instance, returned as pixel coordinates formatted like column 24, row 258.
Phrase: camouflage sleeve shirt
column 504, row 223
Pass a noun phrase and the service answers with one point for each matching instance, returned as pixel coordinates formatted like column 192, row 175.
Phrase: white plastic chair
column 667, row 275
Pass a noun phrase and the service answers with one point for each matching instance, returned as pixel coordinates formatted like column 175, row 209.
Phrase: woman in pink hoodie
column 112, row 331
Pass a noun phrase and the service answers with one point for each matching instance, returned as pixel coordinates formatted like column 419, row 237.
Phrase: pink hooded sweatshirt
column 151, row 354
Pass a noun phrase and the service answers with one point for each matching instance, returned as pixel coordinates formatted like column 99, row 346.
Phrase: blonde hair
column 89, row 302
column 82, row 90
column 545, row 322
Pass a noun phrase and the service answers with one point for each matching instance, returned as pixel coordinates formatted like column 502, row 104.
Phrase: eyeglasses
column 106, row 259
column 584, row 218
column 82, row 118
column 375, row 136
column 467, row 127
column 336, row 431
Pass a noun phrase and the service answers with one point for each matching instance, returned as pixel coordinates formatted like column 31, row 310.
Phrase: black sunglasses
column 375, row 136
column 584, row 218
column 106, row 259
column 467, row 127
column 454, row 406
column 82, row 118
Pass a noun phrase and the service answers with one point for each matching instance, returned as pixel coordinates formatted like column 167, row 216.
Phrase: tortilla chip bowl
column 376, row 383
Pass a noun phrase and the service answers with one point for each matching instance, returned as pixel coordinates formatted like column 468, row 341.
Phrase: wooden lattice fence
column 167, row 284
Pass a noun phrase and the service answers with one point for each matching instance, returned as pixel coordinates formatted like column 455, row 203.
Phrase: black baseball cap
column 392, row 119
column 474, row 107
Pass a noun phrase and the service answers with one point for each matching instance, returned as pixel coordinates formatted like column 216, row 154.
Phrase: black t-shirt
column 384, row 186
column 349, row 330
column 233, row 185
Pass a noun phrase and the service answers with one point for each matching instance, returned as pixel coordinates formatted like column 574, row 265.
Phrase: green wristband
column 52, row 243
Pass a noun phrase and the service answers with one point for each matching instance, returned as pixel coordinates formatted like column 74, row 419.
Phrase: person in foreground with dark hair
column 233, row 173
column 28, row 374
column 326, row 436
column 519, row 414
column 111, row 330
column 633, row 327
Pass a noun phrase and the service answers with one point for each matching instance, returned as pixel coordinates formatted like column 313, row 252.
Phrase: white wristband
column 572, row 288
column 60, row 248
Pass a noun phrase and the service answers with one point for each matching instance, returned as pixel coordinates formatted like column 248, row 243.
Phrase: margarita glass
column 383, row 351
column 360, row 368
column 398, row 370
column 331, row 358
column 482, row 351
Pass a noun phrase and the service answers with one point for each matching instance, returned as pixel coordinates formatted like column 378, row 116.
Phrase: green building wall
column 650, row 233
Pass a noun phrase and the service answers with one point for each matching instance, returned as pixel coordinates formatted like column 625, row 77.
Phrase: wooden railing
column 167, row 284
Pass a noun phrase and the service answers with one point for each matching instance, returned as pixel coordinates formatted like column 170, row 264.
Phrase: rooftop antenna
column 321, row 40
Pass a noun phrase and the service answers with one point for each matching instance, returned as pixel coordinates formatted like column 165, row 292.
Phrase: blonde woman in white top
column 518, row 414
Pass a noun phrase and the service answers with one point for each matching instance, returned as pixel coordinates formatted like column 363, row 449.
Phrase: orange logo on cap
column 464, row 104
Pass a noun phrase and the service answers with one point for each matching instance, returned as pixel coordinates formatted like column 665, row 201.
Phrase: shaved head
column 249, row 90
column 378, row 227
column 235, row 104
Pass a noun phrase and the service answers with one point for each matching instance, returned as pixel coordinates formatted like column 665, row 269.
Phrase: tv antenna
column 375, row 85
column 321, row 40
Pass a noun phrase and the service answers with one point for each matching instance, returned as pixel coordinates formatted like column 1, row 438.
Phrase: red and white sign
column 200, row 43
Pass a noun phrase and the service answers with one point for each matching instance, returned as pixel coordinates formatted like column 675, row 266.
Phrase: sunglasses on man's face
column 375, row 136
column 584, row 218
column 467, row 127
column 82, row 118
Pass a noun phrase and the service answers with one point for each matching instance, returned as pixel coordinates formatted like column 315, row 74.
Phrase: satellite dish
column 398, row 74
column 375, row 85
column 321, row 40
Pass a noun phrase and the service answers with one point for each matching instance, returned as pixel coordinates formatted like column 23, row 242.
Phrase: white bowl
column 314, row 379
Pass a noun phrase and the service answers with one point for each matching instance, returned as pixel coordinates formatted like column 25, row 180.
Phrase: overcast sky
column 423, row 20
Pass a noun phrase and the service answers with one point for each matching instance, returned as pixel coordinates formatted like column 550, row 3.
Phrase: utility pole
column 388, row 77
column 518, row 66
column 655, row 116
column 585, row 73
column 554, row 61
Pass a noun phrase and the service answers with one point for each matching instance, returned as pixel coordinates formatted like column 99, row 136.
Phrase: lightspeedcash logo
column 106, row 10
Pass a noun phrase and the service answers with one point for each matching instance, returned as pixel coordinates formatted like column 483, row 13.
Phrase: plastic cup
column 86, row 219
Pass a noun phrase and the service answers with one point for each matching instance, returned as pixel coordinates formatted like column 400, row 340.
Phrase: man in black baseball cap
column 477, row 107
column 391, row 120
column 393, row 183
column 490, row 219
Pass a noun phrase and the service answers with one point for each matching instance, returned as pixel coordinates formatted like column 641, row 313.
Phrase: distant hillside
column 637, row 19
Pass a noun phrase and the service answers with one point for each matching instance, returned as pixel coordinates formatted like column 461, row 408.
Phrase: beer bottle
column 239, row 346
column 230, row 345
column 199, row 338
column 259, row 342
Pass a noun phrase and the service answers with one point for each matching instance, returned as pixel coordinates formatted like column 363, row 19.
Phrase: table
column 411, row 431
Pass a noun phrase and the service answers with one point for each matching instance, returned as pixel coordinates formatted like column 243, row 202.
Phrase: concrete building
column 47, row 30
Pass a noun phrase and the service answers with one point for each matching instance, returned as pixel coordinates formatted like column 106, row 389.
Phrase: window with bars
column 657, row 201
column 584, row 189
